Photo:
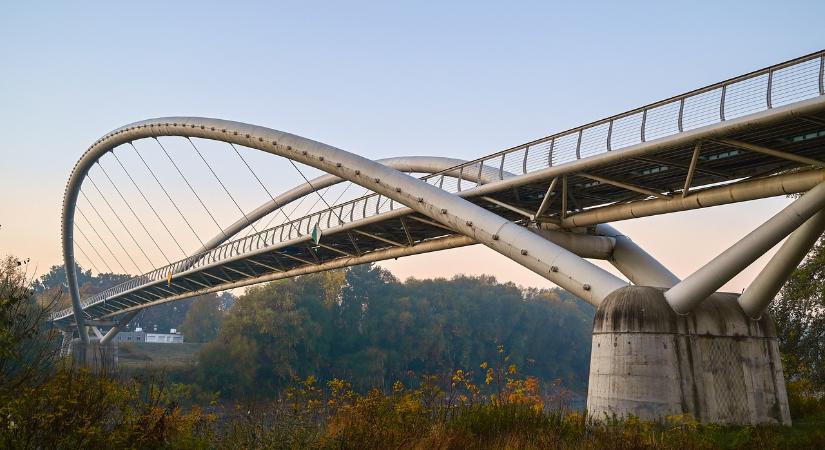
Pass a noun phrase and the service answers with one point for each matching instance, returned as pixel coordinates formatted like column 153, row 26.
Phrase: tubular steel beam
column 583, row 245
column 119, row 326
column 771, row 152
column 691, row 291
column 623, row 185
column 791, row 183
column 767, row 284
column 379, row 238
column 694, row 161
column 635, row 263
column 507, row 206
column 548, row 198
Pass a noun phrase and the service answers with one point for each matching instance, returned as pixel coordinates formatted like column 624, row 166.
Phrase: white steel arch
column 547, row 259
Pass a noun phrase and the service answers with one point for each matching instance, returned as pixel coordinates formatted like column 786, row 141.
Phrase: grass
column 134, row 355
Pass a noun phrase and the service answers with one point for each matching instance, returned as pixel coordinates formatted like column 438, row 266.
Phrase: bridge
column 661, row 345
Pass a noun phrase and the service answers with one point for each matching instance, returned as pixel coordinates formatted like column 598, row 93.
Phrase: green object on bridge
column 316, row 234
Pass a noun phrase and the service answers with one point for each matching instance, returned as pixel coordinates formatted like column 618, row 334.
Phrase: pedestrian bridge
column 547, row 204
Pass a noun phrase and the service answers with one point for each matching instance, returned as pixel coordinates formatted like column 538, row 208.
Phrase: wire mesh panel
column 795, row 83
column 594, row 140
column 662, row 121
column 746, row 97
column 626, row 131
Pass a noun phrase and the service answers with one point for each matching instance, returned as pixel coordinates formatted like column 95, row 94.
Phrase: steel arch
column 549, row 260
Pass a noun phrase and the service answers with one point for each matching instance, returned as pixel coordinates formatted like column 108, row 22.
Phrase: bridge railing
column 761, row 90
column 792, row 81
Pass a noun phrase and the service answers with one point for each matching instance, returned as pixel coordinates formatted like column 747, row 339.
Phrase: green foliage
column 363, row 324
column 26, row 349
column 799, row 314
column 51, row 287
column 203, row 319
column 65, row 407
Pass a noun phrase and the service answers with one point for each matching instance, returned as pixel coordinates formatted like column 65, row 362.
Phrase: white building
column 173, row 337
column 164, row 338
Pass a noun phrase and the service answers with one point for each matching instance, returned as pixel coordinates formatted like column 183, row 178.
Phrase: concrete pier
column 95, row 355
column 715, row 363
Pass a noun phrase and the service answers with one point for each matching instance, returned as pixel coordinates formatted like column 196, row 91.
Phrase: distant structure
column 661, row 345
column 173, row 337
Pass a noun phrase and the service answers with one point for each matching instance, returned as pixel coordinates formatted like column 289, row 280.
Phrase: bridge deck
column 754, row 126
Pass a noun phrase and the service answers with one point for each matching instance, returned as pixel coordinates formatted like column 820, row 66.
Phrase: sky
column 379, row 79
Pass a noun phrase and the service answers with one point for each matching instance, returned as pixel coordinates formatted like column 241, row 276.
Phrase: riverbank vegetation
column 357, row 359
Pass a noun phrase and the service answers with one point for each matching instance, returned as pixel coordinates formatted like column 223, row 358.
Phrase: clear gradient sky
column 380, row 79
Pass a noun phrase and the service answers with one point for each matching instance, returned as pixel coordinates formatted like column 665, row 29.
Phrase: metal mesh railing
column 779, row 85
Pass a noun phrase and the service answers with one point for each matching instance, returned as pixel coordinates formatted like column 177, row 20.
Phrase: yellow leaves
column 397, row 387
column 684, row 421
column 531, row 384
column 484, row 365
column 511, row 369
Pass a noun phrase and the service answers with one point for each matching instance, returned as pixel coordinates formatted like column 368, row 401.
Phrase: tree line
column 363, row 324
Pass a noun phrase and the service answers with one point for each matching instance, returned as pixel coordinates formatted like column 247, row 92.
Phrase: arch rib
column 549, row 260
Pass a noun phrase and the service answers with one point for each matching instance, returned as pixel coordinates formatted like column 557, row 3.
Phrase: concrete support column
column 714, row 363
column 767, row 284
column 101, row 357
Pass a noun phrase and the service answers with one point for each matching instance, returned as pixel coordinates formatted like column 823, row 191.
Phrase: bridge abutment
column 715, row 363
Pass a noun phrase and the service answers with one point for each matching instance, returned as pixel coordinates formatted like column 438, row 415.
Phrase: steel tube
column 583, row 245
column 634, row 262
column 792, row 183
column 767, row 284
column 691, row 291
column 575, row 274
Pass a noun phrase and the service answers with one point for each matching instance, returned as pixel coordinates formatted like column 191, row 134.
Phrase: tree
column 364, row 325
column 26, row 347
column 51, row 287
column 799, row 314
column 272, row 334
column 203, row 319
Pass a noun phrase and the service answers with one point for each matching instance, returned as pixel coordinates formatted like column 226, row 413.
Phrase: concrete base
column 94, row 355
column 715, row 363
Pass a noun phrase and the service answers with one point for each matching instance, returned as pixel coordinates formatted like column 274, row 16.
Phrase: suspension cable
column 128, row 255
column 280, row 207
column 88, row 241
column 117, row 216
column 91, row 263
column 77, row 208
column 170, row 199
column 147, row 202
column 133, row 213
column 221, row 183
column 190, row 186
column 290, row 221
column 313, row 188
